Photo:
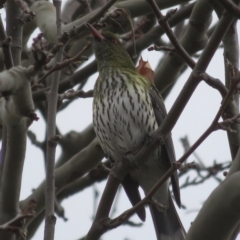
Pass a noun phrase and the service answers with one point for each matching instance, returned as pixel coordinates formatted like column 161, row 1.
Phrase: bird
column 127, row 109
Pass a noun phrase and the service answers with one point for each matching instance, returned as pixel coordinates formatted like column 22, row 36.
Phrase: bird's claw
column 177, row 165
column 160, row 207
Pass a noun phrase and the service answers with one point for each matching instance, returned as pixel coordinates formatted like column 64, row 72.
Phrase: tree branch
column 52, row 138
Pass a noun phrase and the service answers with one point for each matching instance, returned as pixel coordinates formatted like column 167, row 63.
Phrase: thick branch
column 78, row 165
column 14, row 29
column 219, row 215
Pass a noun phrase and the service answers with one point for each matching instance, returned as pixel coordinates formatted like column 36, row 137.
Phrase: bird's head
column 109, row 51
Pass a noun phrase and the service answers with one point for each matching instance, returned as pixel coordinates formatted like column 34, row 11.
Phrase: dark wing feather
column 160, row 113
column 131, row 188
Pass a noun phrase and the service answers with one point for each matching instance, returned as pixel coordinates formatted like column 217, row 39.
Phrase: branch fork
column 164, row 19
column 15, row 224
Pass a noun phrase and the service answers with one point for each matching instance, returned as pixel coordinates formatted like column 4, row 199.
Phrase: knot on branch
column 225, row 173
column 116, row 16
column 161, row 48
column 72, row 94
column 53, row 141
column 163, row 19
column 177, row 165
column 30, row 210
column 16, row 223
column 7, row 42
column 233, row 73
column 32, row 115
column 226, row 124
column 64, row 38
column 40, row 53
column 158, row 205
column 215, row 168
column 105, row 224
column 198, row 76
column 51, row 219
column 28, row 15
column 188, row 166
column 6, row 94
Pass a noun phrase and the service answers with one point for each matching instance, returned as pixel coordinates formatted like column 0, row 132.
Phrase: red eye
column 114, row 41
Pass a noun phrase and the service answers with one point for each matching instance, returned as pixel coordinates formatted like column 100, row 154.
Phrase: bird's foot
column 130, row 157
column 160, row 207
column 177, row 165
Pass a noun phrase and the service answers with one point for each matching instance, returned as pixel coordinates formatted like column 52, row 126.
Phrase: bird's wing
column 131, row 188
column 167, row 148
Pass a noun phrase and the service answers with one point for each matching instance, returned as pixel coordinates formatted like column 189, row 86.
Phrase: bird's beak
column 96, row 34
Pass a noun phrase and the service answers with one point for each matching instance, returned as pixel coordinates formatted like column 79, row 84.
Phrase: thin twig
column 13, row 224
column 66, row 62
column 161, row 48
column 71, row 94
column 75, row 31
column 33, row 138
column 211, row 172
column 163, row 21
column 201, row 165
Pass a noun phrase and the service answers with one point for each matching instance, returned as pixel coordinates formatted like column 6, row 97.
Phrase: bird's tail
column 167, row 224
